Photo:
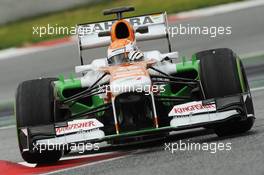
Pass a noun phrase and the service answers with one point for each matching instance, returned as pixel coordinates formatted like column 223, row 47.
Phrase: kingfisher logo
column 79, row 125
column 192, row 108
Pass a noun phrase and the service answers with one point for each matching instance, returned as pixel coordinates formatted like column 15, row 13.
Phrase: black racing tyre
column 222, row 74
column 34, row 107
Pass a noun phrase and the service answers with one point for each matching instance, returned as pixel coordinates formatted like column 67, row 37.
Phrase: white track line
column 14, row 52
column 252, row 54
column 88, row 164
column 257, row 89
column 71, row 158
column 89, row 155
column 220, row 9
column 7, row 127
column 27, row 164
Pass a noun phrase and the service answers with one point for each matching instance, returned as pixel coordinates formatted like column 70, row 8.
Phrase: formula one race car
column 131, row 95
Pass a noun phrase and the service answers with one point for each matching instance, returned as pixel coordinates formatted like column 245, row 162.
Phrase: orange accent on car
column 117, row 128
column 128, row 69
column 155, row 120
column 122, row 29
column 119, row 43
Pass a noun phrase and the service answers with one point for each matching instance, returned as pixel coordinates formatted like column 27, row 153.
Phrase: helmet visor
column 118, row 59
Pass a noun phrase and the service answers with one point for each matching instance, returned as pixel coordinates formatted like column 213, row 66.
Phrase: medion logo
column 105, row 26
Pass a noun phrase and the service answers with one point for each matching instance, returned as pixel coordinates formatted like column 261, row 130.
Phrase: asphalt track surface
column 247, row 153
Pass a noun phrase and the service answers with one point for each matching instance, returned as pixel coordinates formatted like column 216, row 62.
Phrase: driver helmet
column 122, row 51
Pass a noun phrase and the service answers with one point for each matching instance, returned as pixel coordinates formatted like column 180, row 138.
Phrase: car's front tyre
column 34, row 107
column 222, row 74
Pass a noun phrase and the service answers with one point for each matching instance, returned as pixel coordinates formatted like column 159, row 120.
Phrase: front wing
column 184, row 116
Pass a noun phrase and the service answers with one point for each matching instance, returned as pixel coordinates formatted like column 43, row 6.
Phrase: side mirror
column 142, row 29
column 169, row 56
column 83, row 68
column 104, row 33
column 97, row 63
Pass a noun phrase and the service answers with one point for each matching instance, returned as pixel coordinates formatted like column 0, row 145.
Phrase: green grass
column 20, row 33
